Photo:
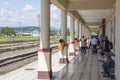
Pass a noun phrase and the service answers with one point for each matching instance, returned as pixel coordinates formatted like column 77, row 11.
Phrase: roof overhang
column 90, row 4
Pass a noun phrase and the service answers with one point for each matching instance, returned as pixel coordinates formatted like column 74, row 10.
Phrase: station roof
column 88, row 12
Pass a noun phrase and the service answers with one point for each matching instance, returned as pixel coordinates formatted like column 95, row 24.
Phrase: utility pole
column 0, row 31
column 39, row 23
column 20, row 28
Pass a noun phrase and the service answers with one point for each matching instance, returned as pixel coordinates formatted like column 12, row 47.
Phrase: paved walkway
column 86, row 69
column 79, row 68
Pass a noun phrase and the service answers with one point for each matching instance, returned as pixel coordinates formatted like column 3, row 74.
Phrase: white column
column 44, row 52
column 63, row 54
column 80, row 33
column 87, row 30
column 108, row 29
column 117, row 40
column 89, row 33
column 77, row 36
column 80, row 30
column 113, row 29
column 82, row 26
column 84, row 31
column 72, row 36
column 64, row 25
column 77, row 29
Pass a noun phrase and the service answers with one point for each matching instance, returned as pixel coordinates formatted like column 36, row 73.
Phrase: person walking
column 83, row 44
column 94, row 44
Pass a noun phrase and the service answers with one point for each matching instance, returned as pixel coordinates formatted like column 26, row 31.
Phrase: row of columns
column 44, row 52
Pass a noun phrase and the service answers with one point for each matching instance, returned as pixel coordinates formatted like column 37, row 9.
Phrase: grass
column 25, row 38
column 17, row 38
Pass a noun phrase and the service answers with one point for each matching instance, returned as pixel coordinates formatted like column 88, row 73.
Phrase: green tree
column 51, row 33
column 7, row 31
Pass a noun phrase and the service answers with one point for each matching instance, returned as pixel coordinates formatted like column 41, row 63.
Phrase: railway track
column 16, row 46
column 14, row 55
column 3, row 45
column 20, row 43
column 19, row 57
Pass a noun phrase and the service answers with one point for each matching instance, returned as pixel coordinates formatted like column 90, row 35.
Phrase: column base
column 72, row 54
column 63, row 60
column 45, row 75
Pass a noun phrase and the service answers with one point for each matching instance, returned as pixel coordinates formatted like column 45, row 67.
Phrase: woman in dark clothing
column 107, row 45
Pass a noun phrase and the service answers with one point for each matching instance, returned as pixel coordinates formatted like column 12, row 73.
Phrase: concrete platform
column 86, row 69
column 83, row 67
column 29, row 72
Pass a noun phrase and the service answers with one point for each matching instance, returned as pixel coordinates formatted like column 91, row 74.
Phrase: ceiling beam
column 95, row 30
column 76, row 15
column 92, row 23
column 62, row 4
column 90, row 4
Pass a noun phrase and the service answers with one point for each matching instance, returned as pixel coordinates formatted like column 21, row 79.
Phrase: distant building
column 57, row 34
column 35, row 32
column 23, row 34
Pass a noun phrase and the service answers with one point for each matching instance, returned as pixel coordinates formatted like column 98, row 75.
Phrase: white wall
column 117, row 40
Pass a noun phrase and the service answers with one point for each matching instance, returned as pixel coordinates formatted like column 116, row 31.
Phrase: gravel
column 16, row 65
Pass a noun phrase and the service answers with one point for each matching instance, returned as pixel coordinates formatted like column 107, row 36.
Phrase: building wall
column 117, row 40
column 110, row 27
column 113, row 33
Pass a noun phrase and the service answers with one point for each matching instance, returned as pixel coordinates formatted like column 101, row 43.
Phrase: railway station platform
column 80, row 67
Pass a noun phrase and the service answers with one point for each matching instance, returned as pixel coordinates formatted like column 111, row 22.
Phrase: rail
column 16, row 58
column 15, row 47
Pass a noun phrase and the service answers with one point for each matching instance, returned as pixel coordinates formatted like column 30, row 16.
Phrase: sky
column 15, row 13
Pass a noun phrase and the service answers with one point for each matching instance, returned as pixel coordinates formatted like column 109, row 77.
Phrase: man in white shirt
column 94, row 44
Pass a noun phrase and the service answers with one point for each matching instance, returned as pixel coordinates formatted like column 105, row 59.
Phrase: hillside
column 26, row 29
column 31, row 28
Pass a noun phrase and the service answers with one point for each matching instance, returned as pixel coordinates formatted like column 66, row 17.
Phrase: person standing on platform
column 94, row 44
column 88, row 43
column 107, row 45
column 83, row 44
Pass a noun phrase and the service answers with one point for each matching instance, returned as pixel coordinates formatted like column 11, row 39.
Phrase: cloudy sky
column 14, row 12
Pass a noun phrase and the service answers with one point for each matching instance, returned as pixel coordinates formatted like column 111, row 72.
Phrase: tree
column 51, row 33
column 7, row 31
